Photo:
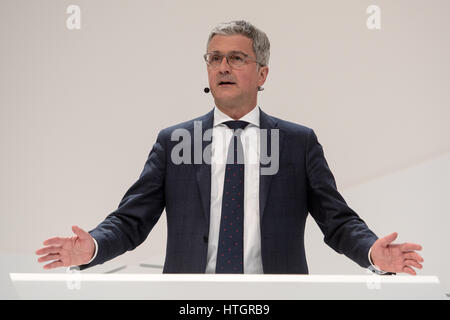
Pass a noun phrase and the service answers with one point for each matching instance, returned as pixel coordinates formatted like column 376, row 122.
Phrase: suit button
column 205, row 239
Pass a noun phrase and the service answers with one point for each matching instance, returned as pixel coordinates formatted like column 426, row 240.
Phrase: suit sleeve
column 343, row 229
column 139, row 210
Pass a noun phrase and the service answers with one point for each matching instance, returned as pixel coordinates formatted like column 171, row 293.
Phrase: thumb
column 80, row 232
column 388, row 239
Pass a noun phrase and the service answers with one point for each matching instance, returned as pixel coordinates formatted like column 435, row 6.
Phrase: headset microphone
column 206, row 90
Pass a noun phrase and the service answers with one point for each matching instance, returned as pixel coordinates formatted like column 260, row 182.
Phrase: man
column 232, row 218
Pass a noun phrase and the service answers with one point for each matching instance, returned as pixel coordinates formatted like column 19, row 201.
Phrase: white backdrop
column 80, row 109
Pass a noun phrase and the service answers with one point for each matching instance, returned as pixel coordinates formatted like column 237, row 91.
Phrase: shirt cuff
column 371, row 263
column 95, row 252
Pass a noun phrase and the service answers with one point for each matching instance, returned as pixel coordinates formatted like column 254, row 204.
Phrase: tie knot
column 236, row 124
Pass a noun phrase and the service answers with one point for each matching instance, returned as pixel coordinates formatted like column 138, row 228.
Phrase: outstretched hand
column 66, row 252
column 396, row 258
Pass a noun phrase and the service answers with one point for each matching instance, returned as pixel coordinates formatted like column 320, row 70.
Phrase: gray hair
column 261, row 44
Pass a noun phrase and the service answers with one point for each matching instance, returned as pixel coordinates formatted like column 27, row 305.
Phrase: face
column 246, row 79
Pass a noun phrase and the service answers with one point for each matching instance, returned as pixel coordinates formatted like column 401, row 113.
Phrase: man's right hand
column 66, row 252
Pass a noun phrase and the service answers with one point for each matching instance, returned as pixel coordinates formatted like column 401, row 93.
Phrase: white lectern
column 223, row 287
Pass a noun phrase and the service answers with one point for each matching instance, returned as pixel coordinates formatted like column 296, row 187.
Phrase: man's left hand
column 396, row 257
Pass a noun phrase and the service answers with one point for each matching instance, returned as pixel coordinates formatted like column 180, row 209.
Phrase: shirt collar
column 251, row 117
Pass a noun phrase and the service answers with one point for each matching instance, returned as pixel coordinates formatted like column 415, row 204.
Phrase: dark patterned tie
column 230, row 251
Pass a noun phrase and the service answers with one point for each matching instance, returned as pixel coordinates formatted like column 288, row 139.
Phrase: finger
column 39, row 251
column 408, row 270
column 49, row 257
column 410, row 247
column 47, row 250
column 413, row 263
column 56, row 241
column 54, row 264
column 80, row 232
column 413, row 256
column 388, row 239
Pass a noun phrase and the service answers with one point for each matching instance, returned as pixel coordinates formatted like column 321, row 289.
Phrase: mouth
column 226, row 83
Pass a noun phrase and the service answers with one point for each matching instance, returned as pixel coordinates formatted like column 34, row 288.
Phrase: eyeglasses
column 235, row 59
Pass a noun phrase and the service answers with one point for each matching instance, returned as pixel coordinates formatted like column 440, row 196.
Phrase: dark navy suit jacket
column 303, row 183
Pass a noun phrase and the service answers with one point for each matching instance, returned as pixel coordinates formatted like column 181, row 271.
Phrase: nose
column 224, row 66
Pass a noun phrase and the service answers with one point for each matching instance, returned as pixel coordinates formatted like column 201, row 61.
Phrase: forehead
column 231, row 43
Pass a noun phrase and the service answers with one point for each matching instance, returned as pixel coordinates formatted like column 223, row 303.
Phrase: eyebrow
column 233, row 51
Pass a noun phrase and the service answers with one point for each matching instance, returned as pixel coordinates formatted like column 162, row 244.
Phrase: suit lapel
column 203, row 170
column 267, row 122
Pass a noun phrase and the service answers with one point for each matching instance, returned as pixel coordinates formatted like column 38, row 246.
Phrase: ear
column 262, row 75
